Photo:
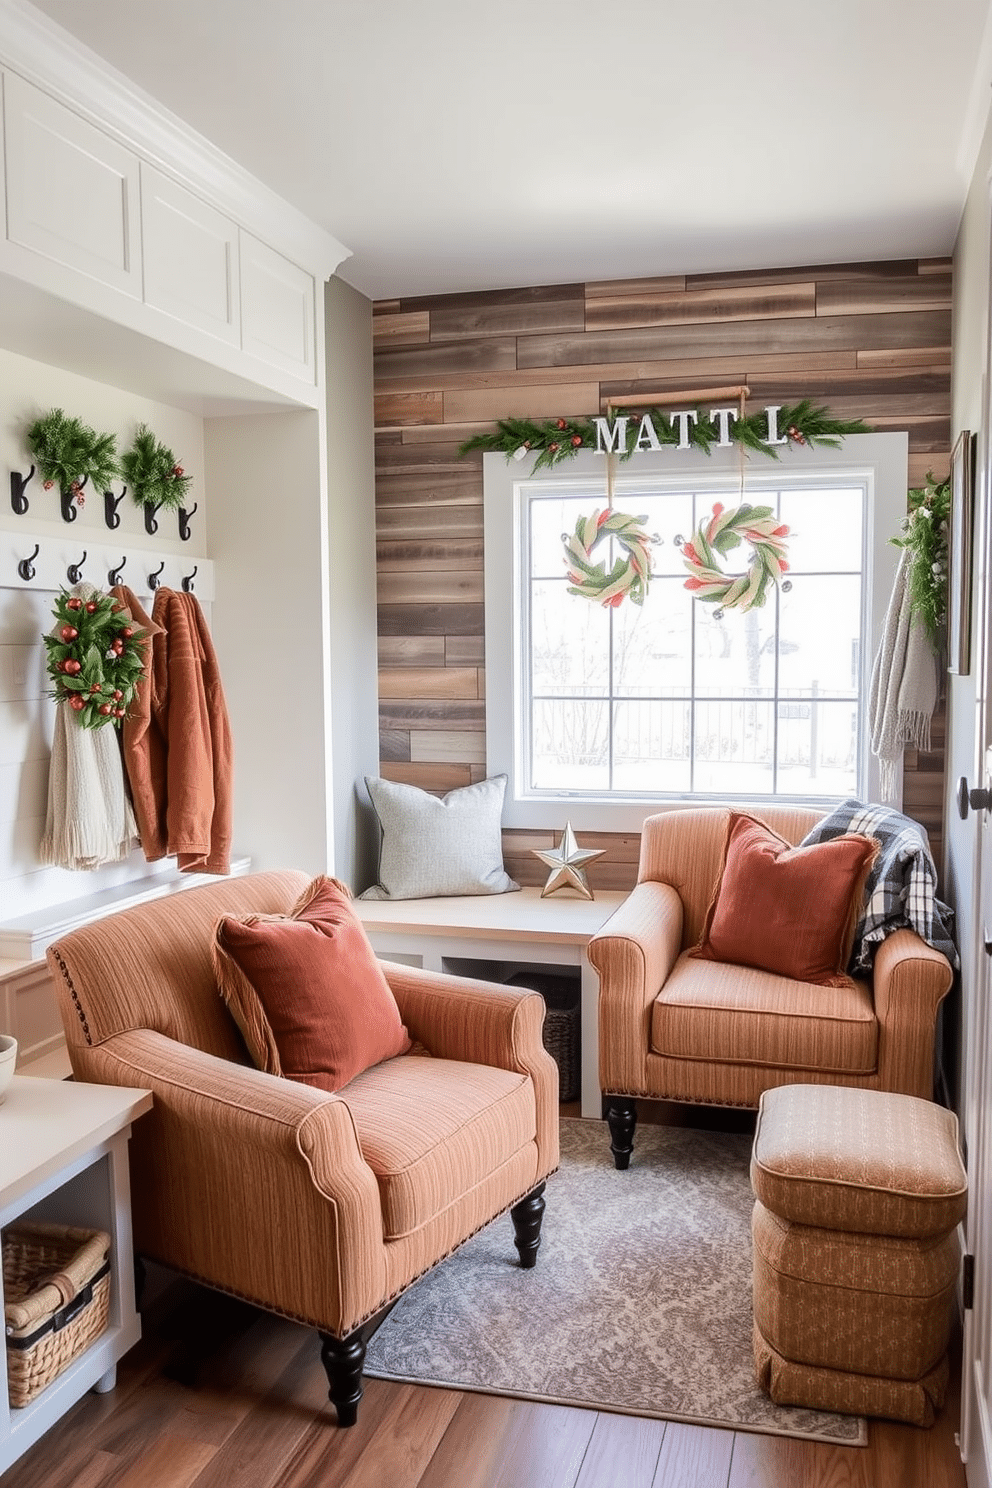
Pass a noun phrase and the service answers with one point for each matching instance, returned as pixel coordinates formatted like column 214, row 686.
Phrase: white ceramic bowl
column 8, row 1058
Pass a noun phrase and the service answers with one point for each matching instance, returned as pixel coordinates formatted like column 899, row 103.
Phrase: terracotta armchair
column 673, row 1027
column 320, row 1207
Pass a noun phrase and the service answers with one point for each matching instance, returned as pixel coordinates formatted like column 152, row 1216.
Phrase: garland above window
column 554, row 440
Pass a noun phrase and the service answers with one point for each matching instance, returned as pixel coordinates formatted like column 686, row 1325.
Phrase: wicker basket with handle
column 56, row 1285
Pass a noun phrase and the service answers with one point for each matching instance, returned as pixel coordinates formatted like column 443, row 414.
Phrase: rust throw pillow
column 784, row 909
column 306, row 990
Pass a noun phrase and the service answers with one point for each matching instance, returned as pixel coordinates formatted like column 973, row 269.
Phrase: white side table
column 63, row 1157
column 439, row 934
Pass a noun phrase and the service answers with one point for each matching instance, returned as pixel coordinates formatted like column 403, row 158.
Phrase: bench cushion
column 861, row 1160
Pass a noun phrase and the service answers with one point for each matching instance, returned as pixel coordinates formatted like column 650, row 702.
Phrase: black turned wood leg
column 527, row 1217
column 343, row 1360
column 621, row 1113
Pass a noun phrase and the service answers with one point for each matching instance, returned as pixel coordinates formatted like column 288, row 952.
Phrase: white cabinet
column 72, row 191
column 64, row 1159
column 277, row 309
column 190, row 257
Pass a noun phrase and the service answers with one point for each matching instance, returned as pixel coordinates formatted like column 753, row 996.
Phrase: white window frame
column 878, row 461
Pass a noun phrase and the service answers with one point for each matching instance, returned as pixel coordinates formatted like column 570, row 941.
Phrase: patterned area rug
column 640, row 1301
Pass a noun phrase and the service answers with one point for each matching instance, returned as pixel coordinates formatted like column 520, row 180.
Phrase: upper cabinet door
column 190, row 257
column 277, row 309
column 72, row 191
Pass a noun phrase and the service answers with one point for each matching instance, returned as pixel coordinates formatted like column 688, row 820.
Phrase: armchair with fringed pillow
column 746, row 957
column 325, row 1127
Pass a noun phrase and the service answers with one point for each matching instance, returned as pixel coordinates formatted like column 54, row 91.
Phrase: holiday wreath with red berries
column 94, row 656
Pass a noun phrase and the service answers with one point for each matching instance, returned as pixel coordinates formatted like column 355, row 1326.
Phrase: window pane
column 652, row 647
column 552, row 518
column 735, row 655
column 570, row 749
column 817, row 746
column 734, row 744
column 667, row 515
column 570, row 643
column 819, row 636
column 651, row 747
column 824, row 529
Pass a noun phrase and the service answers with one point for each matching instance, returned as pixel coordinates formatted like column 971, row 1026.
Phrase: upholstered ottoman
column 858, row 1196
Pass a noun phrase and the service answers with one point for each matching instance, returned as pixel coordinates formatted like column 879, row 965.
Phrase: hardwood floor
column 219, row 1395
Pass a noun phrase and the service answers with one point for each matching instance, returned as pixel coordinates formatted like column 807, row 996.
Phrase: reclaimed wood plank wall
column 870, row 340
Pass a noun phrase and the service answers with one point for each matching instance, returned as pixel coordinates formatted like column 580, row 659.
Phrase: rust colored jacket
column 177, row 741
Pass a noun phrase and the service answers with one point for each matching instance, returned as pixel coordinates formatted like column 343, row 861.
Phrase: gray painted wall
column 352, row 589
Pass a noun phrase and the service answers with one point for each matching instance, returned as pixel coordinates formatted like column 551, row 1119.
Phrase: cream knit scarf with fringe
column 89, row 820
column 903, row 691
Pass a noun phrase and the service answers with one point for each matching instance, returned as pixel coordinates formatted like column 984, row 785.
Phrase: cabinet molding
column 277, row 309
column 190, row 257
column 72, row 191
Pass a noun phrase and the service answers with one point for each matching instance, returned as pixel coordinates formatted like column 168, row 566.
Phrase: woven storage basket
column 562, row 1025
column 56, row 1284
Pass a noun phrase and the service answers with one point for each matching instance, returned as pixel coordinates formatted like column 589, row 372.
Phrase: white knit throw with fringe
column 89, row 820
column 903, row 690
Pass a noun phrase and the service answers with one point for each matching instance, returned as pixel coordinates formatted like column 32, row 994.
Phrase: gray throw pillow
column 438, row 846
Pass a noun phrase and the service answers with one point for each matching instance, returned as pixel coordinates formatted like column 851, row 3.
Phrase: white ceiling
column 453, row 145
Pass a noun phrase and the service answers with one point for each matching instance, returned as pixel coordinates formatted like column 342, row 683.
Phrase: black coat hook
column 184, row 517
column 26, row 566
column 153, row 578
column 111, row 515
column 188, row 580
column 18, row 500
column 74, row 572
column 67, row 497
column 151, row 526
column 114, row 576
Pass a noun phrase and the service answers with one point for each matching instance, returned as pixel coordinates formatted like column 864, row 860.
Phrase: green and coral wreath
column 95, row 658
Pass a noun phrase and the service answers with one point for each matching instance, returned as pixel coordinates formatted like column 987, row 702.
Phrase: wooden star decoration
column 568, row 863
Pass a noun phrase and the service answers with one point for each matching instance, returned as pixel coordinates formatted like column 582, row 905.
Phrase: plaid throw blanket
column 900, row 889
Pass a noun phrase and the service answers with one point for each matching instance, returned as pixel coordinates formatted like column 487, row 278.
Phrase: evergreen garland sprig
column 68, row 453
column 925, row 540
column 554, row 440
column 153, row 473
column 94, row 656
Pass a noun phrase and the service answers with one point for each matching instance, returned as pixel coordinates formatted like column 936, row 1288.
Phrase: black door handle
column 978, row 799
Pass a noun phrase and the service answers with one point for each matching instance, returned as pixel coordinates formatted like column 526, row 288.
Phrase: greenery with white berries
column 924, row 536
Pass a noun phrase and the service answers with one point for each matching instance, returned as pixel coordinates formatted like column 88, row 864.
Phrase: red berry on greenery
column 560, row 424
column 576, row 440
column 553, row 448
column 118, row 712
column 177, row 470
column 105, row 709
column 91, row 608
column 127, row 632
column 117, row 694
column 74, row 604
column 68, row 633
column 95, row 687
column 76, row 703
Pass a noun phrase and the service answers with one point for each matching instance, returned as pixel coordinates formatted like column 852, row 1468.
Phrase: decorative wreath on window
column 94, row 656
column 720, row 534
column 629, row 576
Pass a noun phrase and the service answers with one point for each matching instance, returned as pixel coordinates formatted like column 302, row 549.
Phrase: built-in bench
column 494, row 935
